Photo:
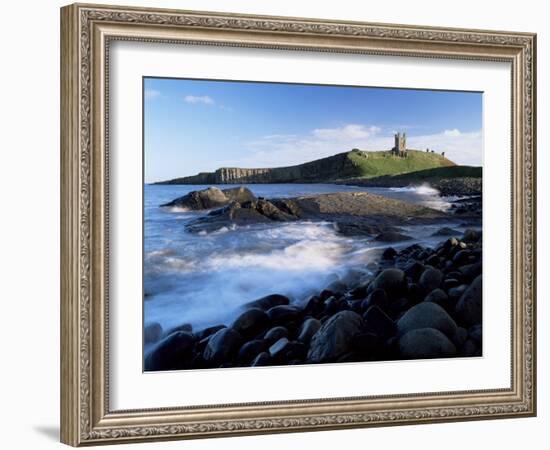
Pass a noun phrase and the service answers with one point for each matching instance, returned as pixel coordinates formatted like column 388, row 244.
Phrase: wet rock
column 378, row 322
column 279, row 348
column 377, row 297
column 439, row 297
column 414, row 269
column 283, row 314
column 460, row 337
column 446, row 231
column 187, row 327
column 430, row 279
column 456, row 292
column 389, row 253
column 269, row 301
column 425, row 343
column 263, row 359
column 470, row 271
column 337, row 287
column 152, row 332
column 206, row 332
column 222, row 346
column 476, row 333
column 334, row 337
column 461, row 257
column 308, row 329
column 449, row 283
column 469, row 307
column 172, row 353
column 276, row 333
column 393, row 281
column 392, row 236
column 212, row 197
column 433, row 260
column 250, row 350
column 471, row 235
column 427, row 315
column 251, row 322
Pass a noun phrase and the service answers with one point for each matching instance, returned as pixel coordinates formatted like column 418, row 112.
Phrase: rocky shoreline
column 419, row 302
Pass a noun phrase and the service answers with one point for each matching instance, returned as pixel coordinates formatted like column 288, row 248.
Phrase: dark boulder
column 222, row 346
column 187, row 327
column 414, row 269
column 152, row 332
column 206, row 332
column 172, row 353
column 476, row 333
column 269, row 301
column 471, row 235
column 427, row 315
column 456, row 292
column 379, row 298
column 425, row 343
column 430, row 279
column 308, row 329
column 470, row 271
column 334, row 337
column 439, row 297
column 393, row 281
column 284, row 314
column 389, row 254
column 278, row 350
column 276, row 333
column 250, row 350
column 378, row 322
column 263, row 359
column 469, row 307
column 251, row 322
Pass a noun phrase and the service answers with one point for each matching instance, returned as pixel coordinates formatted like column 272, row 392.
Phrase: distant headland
column 347, row 165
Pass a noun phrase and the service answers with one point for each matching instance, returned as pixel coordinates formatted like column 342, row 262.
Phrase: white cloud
column 150, row 94
column 289, row 149
column 351, row 131
column 199, row 99
column 452, row 133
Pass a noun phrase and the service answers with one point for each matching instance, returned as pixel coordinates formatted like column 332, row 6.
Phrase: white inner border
column 130, row 388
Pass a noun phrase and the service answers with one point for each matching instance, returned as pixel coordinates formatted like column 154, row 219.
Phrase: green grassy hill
column 375, row 164
column 355, row 164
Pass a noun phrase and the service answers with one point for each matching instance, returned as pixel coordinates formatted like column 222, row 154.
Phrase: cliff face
column 351, row 164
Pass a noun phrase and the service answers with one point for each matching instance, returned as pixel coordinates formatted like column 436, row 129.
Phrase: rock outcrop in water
column 212, row 197
column 353, row 213
column 420, row 302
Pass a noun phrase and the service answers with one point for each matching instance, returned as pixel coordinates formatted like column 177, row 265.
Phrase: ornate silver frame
column 86, row 31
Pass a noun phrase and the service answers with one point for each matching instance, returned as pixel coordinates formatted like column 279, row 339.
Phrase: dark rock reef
column 353, row 213
column 419, row 303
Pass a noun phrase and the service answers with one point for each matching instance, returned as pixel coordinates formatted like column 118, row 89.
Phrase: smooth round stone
column 430, row 279
column 222, row 346
column 334, row 337
column 469, row 307
column 172, row 353
column 393, row 281
column 425, row 343
column 251, row 322
column 427, row 315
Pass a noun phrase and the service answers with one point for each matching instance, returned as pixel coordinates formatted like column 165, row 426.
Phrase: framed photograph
column 276, row 224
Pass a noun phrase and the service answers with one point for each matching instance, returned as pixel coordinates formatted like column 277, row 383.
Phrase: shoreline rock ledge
column 354, row 213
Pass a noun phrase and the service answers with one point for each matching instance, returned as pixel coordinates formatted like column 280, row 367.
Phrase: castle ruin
column 400, row 148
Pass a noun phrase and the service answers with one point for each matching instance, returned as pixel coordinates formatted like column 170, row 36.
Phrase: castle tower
column 400, row 147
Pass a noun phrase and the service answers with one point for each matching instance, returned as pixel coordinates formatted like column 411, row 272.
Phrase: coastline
column 363, row 315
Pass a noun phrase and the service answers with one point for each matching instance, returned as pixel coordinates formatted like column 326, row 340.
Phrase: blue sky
column 192, row 126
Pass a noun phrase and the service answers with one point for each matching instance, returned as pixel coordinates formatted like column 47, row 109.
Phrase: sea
column 205, row 279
